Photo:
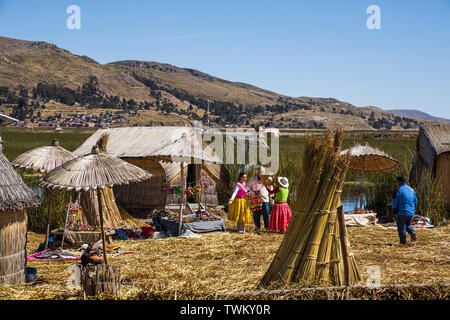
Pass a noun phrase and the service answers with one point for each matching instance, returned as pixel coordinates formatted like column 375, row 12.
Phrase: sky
column 313, row 48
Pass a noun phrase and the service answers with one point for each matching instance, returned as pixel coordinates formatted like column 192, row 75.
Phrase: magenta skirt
column 279, row 217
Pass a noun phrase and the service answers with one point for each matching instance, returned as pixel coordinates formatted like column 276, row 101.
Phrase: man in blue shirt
column 405, row 202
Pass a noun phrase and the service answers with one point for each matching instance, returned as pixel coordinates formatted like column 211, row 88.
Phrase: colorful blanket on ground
column 418, row 222
column 52, row 255
column 421, row 222
column 125, row 234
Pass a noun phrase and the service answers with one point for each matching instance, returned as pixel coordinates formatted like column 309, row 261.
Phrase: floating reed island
column 312, row 252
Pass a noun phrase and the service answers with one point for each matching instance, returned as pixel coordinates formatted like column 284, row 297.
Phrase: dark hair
column 241, row 175
column 402, row 179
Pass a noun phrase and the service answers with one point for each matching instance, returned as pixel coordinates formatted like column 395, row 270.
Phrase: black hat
column 402, row 179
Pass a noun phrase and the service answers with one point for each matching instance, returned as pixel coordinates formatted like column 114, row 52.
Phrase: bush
column 430, row 200
column 37, row 218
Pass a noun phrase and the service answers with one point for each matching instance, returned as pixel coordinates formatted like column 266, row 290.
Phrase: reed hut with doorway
column 140, row 146
column 432, row 157
column 15, row 198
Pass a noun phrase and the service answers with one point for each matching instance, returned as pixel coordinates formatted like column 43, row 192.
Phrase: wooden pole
column 100, row 212
column 65, row 222
column 50, row 203
column 183, row 186
column 343, row 238
column 361, row 187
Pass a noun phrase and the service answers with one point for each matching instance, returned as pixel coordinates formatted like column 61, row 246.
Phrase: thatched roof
column 92, row 171
column 433, row 139
column 158, row 142
column 374, row 160
column 172, row 169
column 14, row 193
column 43, row 159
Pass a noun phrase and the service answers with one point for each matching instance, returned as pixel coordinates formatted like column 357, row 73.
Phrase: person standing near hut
column 257, row 186
column 239, row 209
column 281, row 212
column 405, row 202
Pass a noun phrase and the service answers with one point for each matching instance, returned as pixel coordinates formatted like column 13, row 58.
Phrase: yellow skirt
column 239, row 211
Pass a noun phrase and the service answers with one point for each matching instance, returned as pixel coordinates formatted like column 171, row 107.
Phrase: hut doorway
column 193, row 179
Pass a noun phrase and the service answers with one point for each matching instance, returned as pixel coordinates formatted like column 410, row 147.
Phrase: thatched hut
column 15, row 198
column 433, row 157
column 140, row 146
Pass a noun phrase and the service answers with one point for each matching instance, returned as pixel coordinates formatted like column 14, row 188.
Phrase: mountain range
column 411, row 113
column 41, row 82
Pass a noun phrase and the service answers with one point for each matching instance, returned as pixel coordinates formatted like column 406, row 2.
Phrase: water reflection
column 38, row 190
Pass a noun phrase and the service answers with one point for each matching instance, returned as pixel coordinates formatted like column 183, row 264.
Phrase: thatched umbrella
column 185, row 150
column 94, row 171
column 44, row 159
column 15, row 198
column 366, row 159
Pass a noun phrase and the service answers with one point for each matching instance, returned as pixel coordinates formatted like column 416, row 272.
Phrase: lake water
column 38, row 190
column 350, row 203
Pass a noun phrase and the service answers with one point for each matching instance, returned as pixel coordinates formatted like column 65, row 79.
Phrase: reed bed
column 388, row 292
column 227, row 262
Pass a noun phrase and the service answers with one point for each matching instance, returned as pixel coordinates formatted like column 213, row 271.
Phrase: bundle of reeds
column 311, row 250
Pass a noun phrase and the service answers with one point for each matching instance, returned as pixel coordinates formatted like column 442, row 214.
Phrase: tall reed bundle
column 310, row 252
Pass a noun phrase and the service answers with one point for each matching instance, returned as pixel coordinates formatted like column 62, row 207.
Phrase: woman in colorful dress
column 239, row 209
column 281, row 212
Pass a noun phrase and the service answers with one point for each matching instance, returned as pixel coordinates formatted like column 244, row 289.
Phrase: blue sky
column 299, row 48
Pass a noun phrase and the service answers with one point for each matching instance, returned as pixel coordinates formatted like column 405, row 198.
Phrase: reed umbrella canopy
column 44, row 159
column 367, row 159
column 370, row 159
column 14, row 193
column 94, row 171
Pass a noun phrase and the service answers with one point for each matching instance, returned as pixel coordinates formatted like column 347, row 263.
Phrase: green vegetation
column 19, row 140
column 431, row 202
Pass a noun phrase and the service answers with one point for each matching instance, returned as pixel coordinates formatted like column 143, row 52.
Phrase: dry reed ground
column 225, row 262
